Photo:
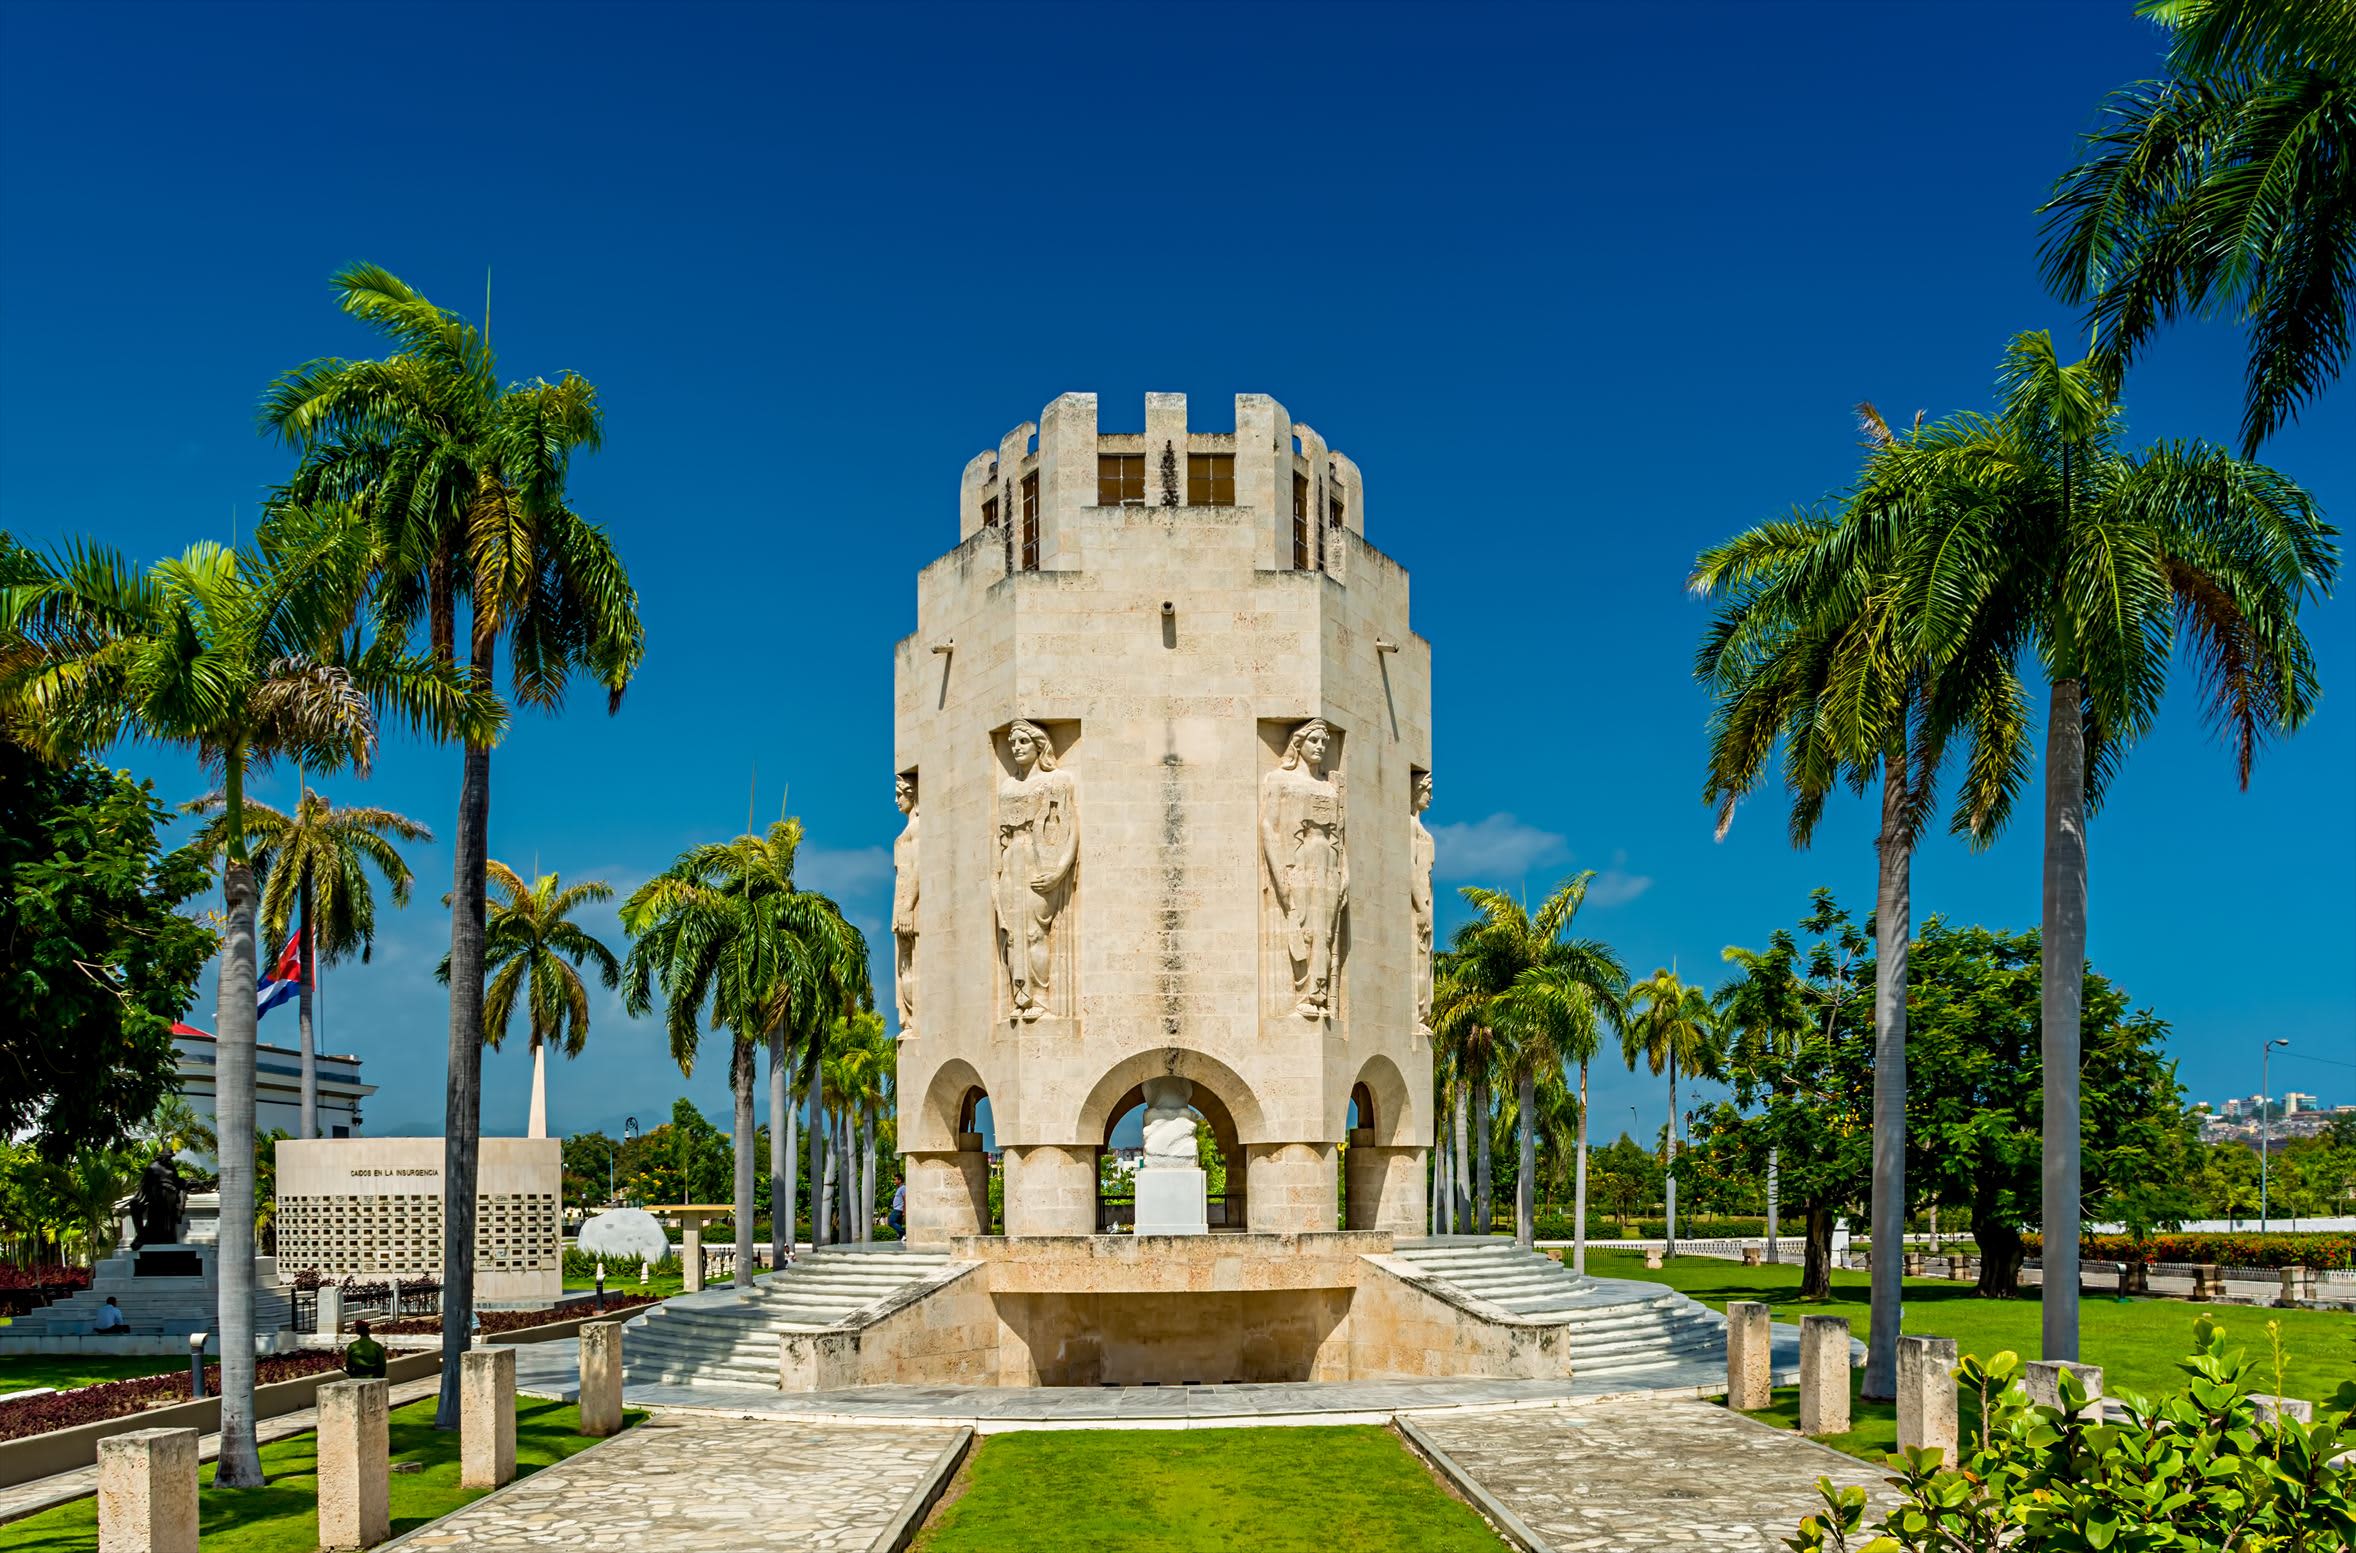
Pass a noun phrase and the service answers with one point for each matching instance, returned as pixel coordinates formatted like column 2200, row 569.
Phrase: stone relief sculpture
column 1031, row 886
column 1419, row 897
column 904, row 907
column 1308, row 864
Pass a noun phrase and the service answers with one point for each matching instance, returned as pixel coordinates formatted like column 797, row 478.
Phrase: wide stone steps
column 728, row 1337
column 1617, row 1326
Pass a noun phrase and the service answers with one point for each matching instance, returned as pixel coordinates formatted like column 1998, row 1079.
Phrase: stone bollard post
column 1913, row 1264
column 2298, row 1283
column 1824, row 1375
column 355, row 1467
column 2280, row 1410
column 486, row 1417
column 601, row 1378
column 2042, row 1380
column 1927, row 1395
column 2208, row 1282
column 147, row 1492
column 1750, row 1256
column 330, row 1319
column 1652, row 1256
column 1750, row 1376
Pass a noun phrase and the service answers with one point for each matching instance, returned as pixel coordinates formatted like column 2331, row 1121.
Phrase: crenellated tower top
column 1030, row 487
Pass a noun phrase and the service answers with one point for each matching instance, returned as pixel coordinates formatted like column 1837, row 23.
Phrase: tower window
column 1300, row 522
column 1120, row 479
column 1337, row 510
column 1031, row 521
column 990, row 513
column 1210, row 479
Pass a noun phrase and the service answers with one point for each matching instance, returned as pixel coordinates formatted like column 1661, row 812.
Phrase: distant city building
column 2293, row 1102
column 278, row 1087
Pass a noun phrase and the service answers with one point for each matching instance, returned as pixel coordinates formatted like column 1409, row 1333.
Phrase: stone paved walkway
column 44, row 1493
column 681, row 1482
column 1636, row 1474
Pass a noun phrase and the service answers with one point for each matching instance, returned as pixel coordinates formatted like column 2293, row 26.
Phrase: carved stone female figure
column 1308, row 865
column 1419, row 898
column 1038, row 843
column 904, row 907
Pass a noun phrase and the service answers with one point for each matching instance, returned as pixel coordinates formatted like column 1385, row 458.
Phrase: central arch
column 1106, row 1101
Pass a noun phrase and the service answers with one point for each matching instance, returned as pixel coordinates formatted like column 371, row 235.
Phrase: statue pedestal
column 1170, row 1201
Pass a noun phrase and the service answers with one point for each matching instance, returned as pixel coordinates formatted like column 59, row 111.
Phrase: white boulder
column 624, row 1234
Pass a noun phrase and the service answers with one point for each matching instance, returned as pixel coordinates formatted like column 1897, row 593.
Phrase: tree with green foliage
column 1670, row 1026
column 2227, row 189
column 313, row 868
column 1801, row 1066
column 462, row 479
column 238, row 656
column 725, row 934
column 2034, row 531
column 1627, row 1177
column 1813, row 650
column 533, row 951
column 97, row 959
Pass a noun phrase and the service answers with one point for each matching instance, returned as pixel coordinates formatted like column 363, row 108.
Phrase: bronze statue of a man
column 155, row 1210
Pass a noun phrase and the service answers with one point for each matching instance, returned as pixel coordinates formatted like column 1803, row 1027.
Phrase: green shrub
column 2192, row 1470
column 618, row 1270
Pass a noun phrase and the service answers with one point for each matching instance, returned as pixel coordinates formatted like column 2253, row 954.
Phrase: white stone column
column 355, row 1466
column 147, row 1492
column 691, row 1253
column 1926, row 1395
column 1264, row 475
column 601, row 1378
column 1050, row 1189
column 2041, row 1379
column 329, row 1321
column 1824, row 1375
column 1289, row 1188
column 1750, row 1371
column 486, row 1417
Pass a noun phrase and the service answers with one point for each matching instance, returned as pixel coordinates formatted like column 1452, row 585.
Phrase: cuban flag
column 284, row 983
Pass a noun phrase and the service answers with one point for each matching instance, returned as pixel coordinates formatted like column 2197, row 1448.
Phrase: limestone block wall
column 1158, row 653
column 1400, row 1331
column 372, row 1207
column 949, row 1335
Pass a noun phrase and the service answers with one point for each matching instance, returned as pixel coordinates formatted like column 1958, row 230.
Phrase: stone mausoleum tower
column 1163, row 736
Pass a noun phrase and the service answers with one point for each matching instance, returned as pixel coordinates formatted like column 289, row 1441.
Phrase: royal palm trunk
column 1579, row 1190
column 1669, row 1174
column 846, row 1180
column 1460, row 1155
column 781, row 1155
column 818, row 1213
column 740, row 1084
column 867, row 1174
column 1893, row 931
column 1525, row 1203
column 1484, row 1192
column 233, row 1109
column 463, row 1115
column 2062, row 974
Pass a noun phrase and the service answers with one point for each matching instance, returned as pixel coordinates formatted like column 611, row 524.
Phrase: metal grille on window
column 1300, row 522
column 1210, row 479
column 1120, row 479
column 1031, row 521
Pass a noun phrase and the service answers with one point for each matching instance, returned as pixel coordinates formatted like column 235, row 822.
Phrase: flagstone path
column 1637, row 1473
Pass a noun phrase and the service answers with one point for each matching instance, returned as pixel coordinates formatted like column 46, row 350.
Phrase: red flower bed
column 120, row 1398
column 2320, row 1249
column 517, row 1320
column 46, row 1275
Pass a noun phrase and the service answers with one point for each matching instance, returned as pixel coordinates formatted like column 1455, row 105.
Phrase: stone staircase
column 161, row 1312
column 1619, row 1327
column 727, row 1338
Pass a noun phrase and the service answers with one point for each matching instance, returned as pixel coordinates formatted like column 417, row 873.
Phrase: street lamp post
column 2265, row 1122
column 629, row 1135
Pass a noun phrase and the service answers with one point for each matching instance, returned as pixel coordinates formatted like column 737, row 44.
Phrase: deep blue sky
column 1580, row 287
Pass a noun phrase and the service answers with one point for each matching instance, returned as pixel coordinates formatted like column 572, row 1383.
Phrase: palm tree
column 2228, row 189
column 1670, row 1026
column 313, row 868
column 533, row 949
column 855, row 1071
column 1812, row 650
column 2033, row 529
column 233, row 654
column 725, row 929
column 463, row 482
column 1461, row 1027
column 1496, row 1005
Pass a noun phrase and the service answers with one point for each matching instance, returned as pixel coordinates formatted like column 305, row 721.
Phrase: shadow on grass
column 282, row 1516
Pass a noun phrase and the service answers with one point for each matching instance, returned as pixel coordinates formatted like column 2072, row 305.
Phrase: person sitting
column 363, row 1356
column 111, row 1319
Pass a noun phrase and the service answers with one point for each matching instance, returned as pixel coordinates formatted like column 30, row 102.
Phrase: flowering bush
column 2196, row 1469
column 116, row 1398
column 2226, row 1250
column 44, row 1275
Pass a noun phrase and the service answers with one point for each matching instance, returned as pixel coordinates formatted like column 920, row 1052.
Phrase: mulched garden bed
column 120, row 1398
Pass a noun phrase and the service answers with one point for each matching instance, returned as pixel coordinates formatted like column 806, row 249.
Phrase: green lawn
column 65, row 1371
column 1306, row 1490
column 283, row 1515
column 661, row 1285
column 2137, row 1342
